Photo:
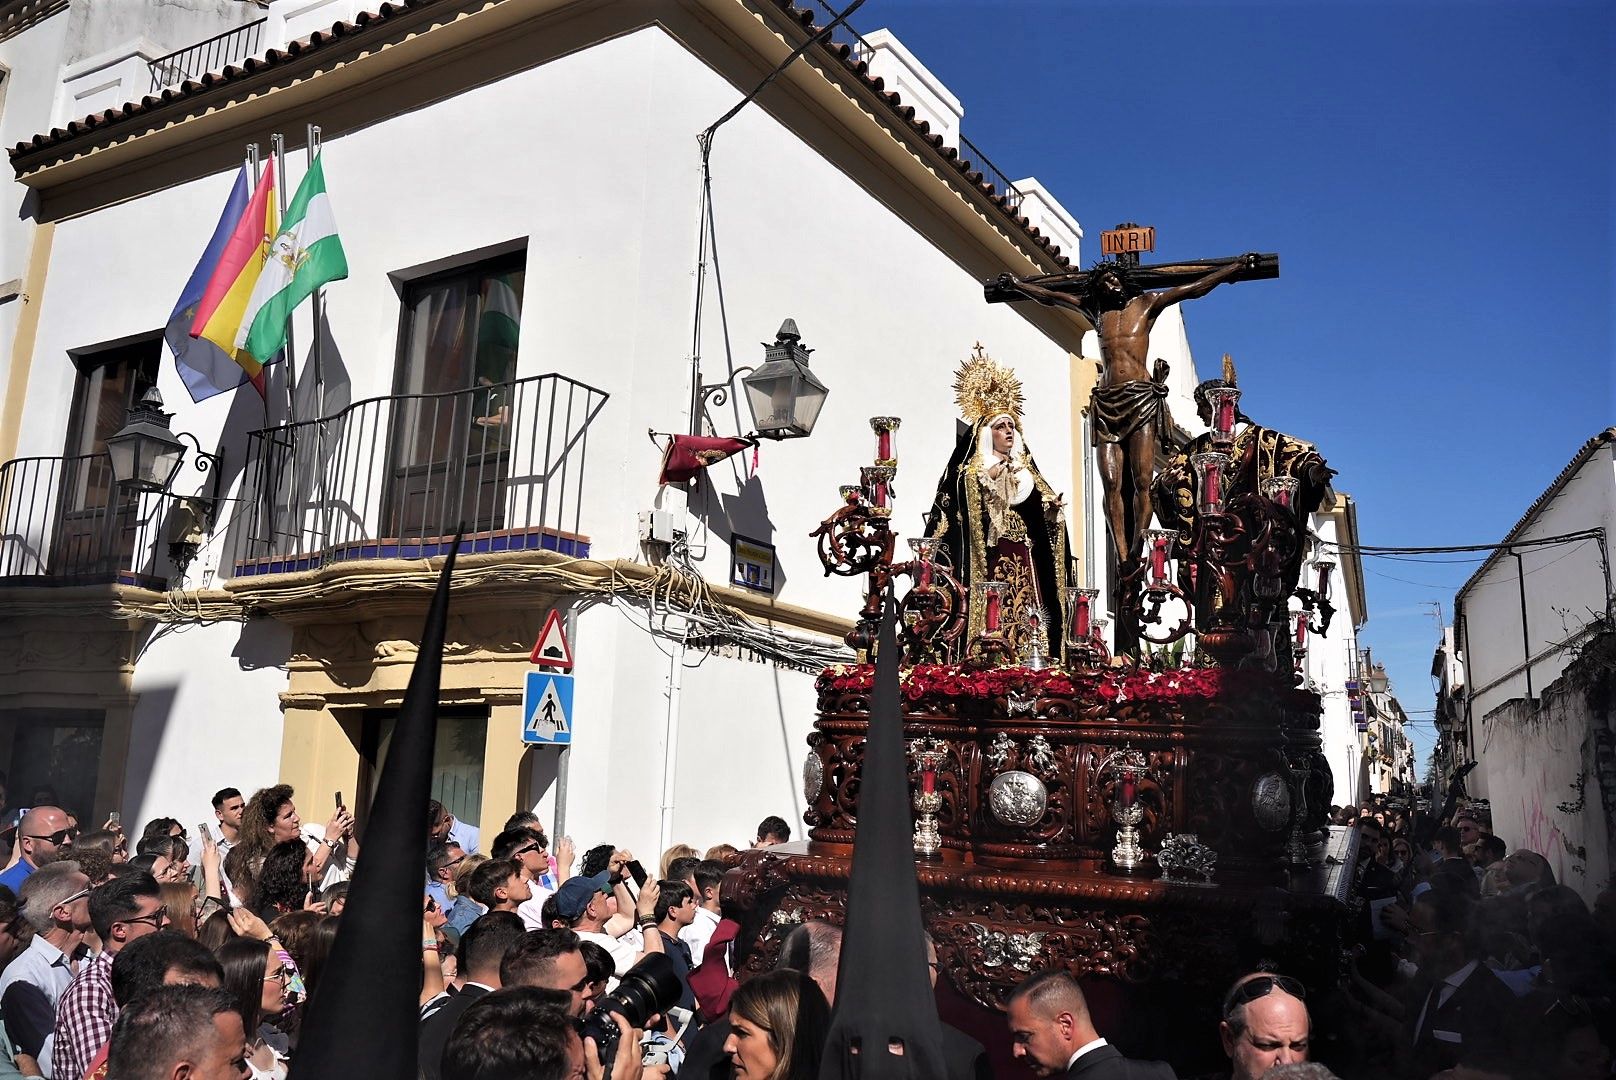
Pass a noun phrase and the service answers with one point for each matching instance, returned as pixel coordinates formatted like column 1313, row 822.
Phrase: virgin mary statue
column 994, row 512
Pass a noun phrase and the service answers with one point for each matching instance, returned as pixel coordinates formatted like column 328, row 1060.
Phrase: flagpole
column 278, row 141
column 316, row 307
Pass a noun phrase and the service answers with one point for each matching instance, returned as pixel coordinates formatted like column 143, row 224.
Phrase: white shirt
column 699, row 933
column 337, row 867
column 48, row 968
column 1081, row 1050
column 623, row 953
column 532, row 911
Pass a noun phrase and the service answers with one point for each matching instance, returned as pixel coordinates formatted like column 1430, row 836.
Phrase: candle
column 1213, row 493
column 928, row 780
column 1158, row 559
column 1081, row 619
column 1301, row 630
column 883, row 444
column 925, row 573
column 990, row 617
column 1325, row 569
column 1129, row 787
column 880, row 493
column 1226, row 414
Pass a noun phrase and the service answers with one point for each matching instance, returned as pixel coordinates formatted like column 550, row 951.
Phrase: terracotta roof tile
column 252, row 66
column 320, row 39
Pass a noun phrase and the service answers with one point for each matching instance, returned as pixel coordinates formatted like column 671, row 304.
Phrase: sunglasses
column 56, row 837
column 1248, row 992
column 525, row 849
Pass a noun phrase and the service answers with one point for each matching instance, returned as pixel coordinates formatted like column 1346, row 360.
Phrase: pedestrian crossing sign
column 547, row 709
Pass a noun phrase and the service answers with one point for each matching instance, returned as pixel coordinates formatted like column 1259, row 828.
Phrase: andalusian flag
column 305, row 255
column 219, row 315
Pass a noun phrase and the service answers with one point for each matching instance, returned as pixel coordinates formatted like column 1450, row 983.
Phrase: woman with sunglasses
column 257, row 975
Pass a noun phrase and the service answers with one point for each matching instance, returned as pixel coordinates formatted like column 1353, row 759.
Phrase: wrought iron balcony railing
column 212, row 54
column 970, row 155
column 395, row 477
column 63, row 521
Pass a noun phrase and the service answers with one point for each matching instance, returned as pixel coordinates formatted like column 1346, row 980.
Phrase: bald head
column 42, row 835
column 1265, row 1023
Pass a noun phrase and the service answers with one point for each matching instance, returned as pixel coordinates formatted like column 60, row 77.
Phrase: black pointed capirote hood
column 365, row 1018
column 883, row 986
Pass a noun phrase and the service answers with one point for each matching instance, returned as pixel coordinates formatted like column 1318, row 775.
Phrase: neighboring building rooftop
column 1578, row 460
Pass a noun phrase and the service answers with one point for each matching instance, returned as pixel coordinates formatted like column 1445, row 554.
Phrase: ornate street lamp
column 784, row 394
column 145, row 454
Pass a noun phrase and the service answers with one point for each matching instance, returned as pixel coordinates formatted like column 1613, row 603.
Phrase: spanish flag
column 224, row 302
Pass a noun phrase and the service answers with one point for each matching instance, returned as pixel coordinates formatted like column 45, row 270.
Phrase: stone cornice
column 377, row 587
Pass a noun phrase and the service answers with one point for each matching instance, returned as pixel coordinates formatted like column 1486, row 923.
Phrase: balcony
column 396, row 477
column 64, row 522
column 213, row 54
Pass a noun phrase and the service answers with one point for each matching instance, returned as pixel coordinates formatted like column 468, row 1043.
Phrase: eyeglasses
column 280, row 975
column 56, row 837
column 80, row 895
column 452, row 863
column 1261, row 987
column 156, row 920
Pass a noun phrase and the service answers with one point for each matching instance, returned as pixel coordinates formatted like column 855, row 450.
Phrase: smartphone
column 340, row 805
column 203, row 831
column 115, row 817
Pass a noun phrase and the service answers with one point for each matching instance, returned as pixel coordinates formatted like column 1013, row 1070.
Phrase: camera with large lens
column 650, row 987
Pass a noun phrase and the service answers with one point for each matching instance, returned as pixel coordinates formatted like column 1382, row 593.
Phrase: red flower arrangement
column 1110, row 685
column 953, row 681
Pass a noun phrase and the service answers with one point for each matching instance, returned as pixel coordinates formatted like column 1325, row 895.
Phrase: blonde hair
column 179, row 901
column 677, row 851
column 462, row 878
column 721, row 852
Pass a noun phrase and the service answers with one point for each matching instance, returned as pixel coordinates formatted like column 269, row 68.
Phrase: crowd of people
column 195, row 955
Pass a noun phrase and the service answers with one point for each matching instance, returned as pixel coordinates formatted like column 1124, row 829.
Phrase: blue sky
column 1437, row 179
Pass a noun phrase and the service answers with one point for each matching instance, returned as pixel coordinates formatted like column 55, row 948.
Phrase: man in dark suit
column 1466, row 1016
column 482, row 947
column 1050, row 1029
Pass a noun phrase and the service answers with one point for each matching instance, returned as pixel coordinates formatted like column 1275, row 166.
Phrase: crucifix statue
column 1122, row 301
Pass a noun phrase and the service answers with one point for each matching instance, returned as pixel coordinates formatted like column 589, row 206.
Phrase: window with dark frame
column 458, row 758
column 458, row 339
column 95, row 531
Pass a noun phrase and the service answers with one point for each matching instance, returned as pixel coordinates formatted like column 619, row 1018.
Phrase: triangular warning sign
column 552, row 648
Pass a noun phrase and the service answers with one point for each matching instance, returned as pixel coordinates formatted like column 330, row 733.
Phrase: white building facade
column 1539, row 602
column 522, row 148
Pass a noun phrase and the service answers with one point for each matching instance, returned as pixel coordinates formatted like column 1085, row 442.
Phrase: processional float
column 1151, row 825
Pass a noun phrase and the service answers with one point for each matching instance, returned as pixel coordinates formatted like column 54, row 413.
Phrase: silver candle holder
column 928, row 755
column 1129, row 766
